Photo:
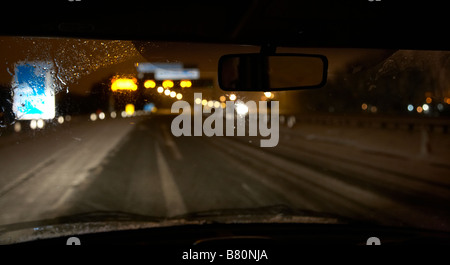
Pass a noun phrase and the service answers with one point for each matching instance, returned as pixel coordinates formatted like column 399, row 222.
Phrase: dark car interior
column 268, row 24
column 324, row 23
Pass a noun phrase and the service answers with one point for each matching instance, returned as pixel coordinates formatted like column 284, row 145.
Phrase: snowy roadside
column 418, row 144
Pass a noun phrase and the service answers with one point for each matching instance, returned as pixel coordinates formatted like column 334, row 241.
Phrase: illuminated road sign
column 192, row 73
column 152, row 67
column 34, row 96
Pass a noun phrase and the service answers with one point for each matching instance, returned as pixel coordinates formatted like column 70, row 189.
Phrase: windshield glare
column 143, row 128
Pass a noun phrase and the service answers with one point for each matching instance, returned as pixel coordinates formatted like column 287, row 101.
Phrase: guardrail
column 429, row 124
column 423, row 125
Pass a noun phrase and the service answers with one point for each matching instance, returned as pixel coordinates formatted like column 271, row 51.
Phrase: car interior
column 303, row 47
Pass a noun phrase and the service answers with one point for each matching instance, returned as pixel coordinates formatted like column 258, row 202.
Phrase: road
column 136, row 165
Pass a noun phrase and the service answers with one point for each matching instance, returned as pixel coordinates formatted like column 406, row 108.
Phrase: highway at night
column 136, row 165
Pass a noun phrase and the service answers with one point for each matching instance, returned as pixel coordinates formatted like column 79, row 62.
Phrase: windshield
column 143, row 128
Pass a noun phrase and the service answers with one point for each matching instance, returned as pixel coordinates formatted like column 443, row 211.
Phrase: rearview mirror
column 275, row 72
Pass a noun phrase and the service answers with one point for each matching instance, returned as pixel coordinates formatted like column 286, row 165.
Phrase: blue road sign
column 187, row 73
column 34, row 97
column 152, row 67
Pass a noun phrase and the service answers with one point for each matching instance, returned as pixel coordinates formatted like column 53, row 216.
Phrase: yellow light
column 173, row 94
column 267, row 94
column 179, row 96
column 447, row 100
column 222, row 98
column 198, row 101
column 232, row 97
column 129, row 109
column 123, row 84
column 149, row 84
column 210, row 103
column 216, row 104
column 204, row 102
column 167, row 92
column 223, row 105
column 160, row 89
column 185, row 83
column 167, row 84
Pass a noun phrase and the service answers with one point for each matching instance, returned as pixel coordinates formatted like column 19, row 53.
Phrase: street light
column 167, row 84
column 129, row 109
column 149, row 84
column 185, row 83
column 123, row 84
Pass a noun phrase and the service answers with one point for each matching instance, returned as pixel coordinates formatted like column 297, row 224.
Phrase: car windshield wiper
column 106, row 221
column 275, row 213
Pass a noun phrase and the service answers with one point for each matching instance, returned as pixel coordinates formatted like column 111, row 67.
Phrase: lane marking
column 27, row 175
column 82, row 163
column 33, row 172
column 174, row 202
column 171, row 143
